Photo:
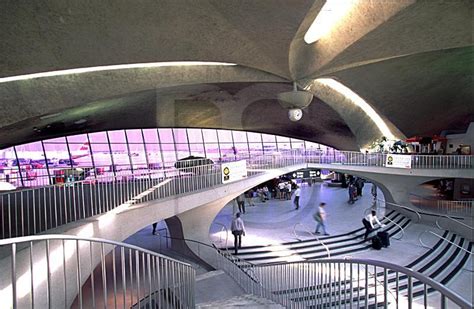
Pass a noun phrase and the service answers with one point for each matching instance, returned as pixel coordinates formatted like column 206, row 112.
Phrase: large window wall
column 133, row 152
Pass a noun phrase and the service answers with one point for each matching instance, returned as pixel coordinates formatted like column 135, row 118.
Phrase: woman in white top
column 369, row 222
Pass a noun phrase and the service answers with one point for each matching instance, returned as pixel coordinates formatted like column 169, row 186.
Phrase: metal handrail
column 326, row 279
column 319, row 240
column 139, row 275
column 305, row 228
column 451, row 218
column 441, row 237
column 224, row 228
column 404, row 207
column 401, row 228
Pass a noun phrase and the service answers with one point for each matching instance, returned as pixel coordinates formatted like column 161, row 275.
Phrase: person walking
column 249, row 197
column 320, row 217
column 238, row 229
column 369, row 222
column 297, row 198
column 240, row 203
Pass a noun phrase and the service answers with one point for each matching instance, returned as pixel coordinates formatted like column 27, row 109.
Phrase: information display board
column 233, row 171
column 399, row 161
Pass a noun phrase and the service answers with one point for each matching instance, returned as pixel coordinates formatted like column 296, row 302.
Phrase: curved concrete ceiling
column 412, row 61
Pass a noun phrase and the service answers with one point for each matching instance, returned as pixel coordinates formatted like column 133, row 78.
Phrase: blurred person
column 320, row 217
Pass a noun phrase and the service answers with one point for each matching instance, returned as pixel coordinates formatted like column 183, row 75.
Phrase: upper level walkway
column 31, row 211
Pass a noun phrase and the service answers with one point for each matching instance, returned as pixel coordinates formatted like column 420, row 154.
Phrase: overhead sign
column 233, row 171
column 399, row 161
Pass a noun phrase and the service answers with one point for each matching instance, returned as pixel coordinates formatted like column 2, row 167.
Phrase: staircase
column 312, row 249
column 441, row 263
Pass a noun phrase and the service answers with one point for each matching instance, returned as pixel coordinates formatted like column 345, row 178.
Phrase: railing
column 448, row 207
column 380, row 159
column 452, row 219
column 402, row 206
column 59, row 271
column 243, row 272
column 222, row 230
column 366, row 212
column 32, row 211
column 440, row 237
column 307, row 230
column 356, row 283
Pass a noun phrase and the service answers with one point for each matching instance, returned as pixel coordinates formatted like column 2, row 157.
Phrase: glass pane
column 151, row 135
column 80, row 153
column 117, row 136
column 210, row 135
column 78, row 139
column 32, row 164
column 154, row 156
column 182, row 151
column 102, row 156
column 137, row 154
column 212, row 151
column 227, row 150
column 284, row 146
column 166, row 136
column 297, row 144
column 255, row 147
column 283, row 139
column 254, row 137
column 268, row 138
column 197, row 150
column 134, row 136
column 225, row 136
column 311, row 145
column 239, row 136
column 195, row 136
column 98, row 137
column 169, row 154
column 269, row 147
column 242, row 149
column 180, row 136
column 120, row 156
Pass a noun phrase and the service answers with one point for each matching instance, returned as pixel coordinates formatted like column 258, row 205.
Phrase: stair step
column 248, row 301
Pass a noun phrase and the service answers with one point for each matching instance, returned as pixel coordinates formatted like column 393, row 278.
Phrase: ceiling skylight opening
column 361, row 103
column 112, row 68
column 328, row 18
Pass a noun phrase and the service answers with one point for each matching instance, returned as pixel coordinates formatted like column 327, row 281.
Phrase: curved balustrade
column 452, row 219
column 354, row 282
column 308, row 231
column 402, row 206
column 225, row 230
column 380, row 159
column 31, row 211
column 59, row 271
column 366, row 212
column 440, row 237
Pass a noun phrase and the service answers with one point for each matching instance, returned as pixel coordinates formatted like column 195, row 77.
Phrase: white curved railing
column 59, row 271
column 452, row 219
column 440, row 237
column 31, row 211
column 366, row 212
column 317, row 238
column 354, row 283
column 418, row 215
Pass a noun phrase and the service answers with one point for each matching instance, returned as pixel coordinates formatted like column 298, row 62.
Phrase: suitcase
column 384, row 238
column 376, row 243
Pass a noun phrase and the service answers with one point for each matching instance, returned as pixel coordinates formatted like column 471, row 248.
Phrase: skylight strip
column 358, row 101
column 111, row 68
